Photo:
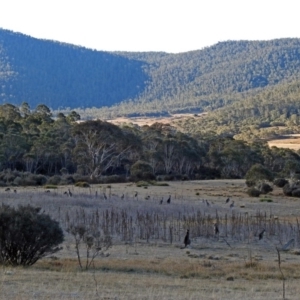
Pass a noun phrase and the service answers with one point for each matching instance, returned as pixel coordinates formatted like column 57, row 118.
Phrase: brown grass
column 211, row 268
column 290, row 143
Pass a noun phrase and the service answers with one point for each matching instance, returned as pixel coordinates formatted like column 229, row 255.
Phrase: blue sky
column 156, row 25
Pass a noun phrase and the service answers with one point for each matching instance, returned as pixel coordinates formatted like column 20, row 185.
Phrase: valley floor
column 213, row 267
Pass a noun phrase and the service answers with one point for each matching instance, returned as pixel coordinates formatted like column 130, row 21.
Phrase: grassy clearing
column 232, row 265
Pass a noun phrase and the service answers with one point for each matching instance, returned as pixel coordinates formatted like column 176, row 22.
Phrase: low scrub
column 266, row 200
column 253, row 192
column 292, row 189
column 82, row 184
column 26, row 235
column 50, row 186
column 280, row 182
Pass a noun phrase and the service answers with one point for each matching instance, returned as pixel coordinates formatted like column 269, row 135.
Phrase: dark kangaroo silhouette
column 187, row 240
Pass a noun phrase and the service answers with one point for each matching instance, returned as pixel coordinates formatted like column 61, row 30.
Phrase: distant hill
column 66, row 76
column 62, row 75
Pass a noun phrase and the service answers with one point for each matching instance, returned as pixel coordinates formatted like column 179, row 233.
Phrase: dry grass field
column 141, row 121
column 147, row 259
column 291, row 141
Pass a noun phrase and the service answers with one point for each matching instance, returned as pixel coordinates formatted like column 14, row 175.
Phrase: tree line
column 34, row 142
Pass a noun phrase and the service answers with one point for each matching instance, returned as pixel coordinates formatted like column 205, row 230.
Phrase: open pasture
column 147, row 259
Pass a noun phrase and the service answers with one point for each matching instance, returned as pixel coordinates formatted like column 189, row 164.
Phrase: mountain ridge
column 62, row 75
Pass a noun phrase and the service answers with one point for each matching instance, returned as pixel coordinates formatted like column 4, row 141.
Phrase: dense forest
column 106, row 84
column 36, row 148
column 268, row 114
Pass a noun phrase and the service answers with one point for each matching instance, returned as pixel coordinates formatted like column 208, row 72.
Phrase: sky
column 151, row 25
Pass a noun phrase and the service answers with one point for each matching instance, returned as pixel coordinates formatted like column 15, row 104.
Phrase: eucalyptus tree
column 98, row 146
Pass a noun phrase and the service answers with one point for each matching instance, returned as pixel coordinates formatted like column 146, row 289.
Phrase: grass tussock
column 50, row 186
column 266, row 200
column 82, row 184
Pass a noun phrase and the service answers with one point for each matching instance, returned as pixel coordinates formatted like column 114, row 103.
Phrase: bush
column 112, row 179
column 142, row 184
column 296, row 193
column 265, row 188
column 291, row 189
column 55, row 180
column 82, row 184
column 250, row 183
column 140, row 169
column 287, row 190
column 26, row 235
column 280, row 182
column 258, row 173
column 266, row 200
column 253, row 192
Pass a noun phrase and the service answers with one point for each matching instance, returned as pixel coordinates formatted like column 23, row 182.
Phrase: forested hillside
column 61, row 75
column 269, row 113
column 36, row 148
column 123, row 83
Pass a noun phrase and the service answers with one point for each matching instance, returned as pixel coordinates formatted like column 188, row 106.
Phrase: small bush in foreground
column 26, row 235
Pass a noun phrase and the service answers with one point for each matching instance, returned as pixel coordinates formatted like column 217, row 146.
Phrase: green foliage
column 56, row 152
column 140, row 170
column 154, row 83
column 54, row 180
column 266, row 200
column 26, row 235
column 39, row 65
column 265, row 188
column 258, row 173
column 253, row 192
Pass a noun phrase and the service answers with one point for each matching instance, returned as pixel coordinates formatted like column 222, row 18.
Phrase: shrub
column 296, row 193
column 250, row 183
column 259, row 173
column 78, row 177
column 26, row 235
column 50, row 186
column 291, row 189
column 148, row 176
column 266, row 200
column 265, row 188
column 287, row 190
column 142, row 183
column 112, row 179
column 253, row 192
column 82, row 184
column 66, row 180
column 54, row 180
column 140, row 169
column 280, row 182
column 33, row 179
